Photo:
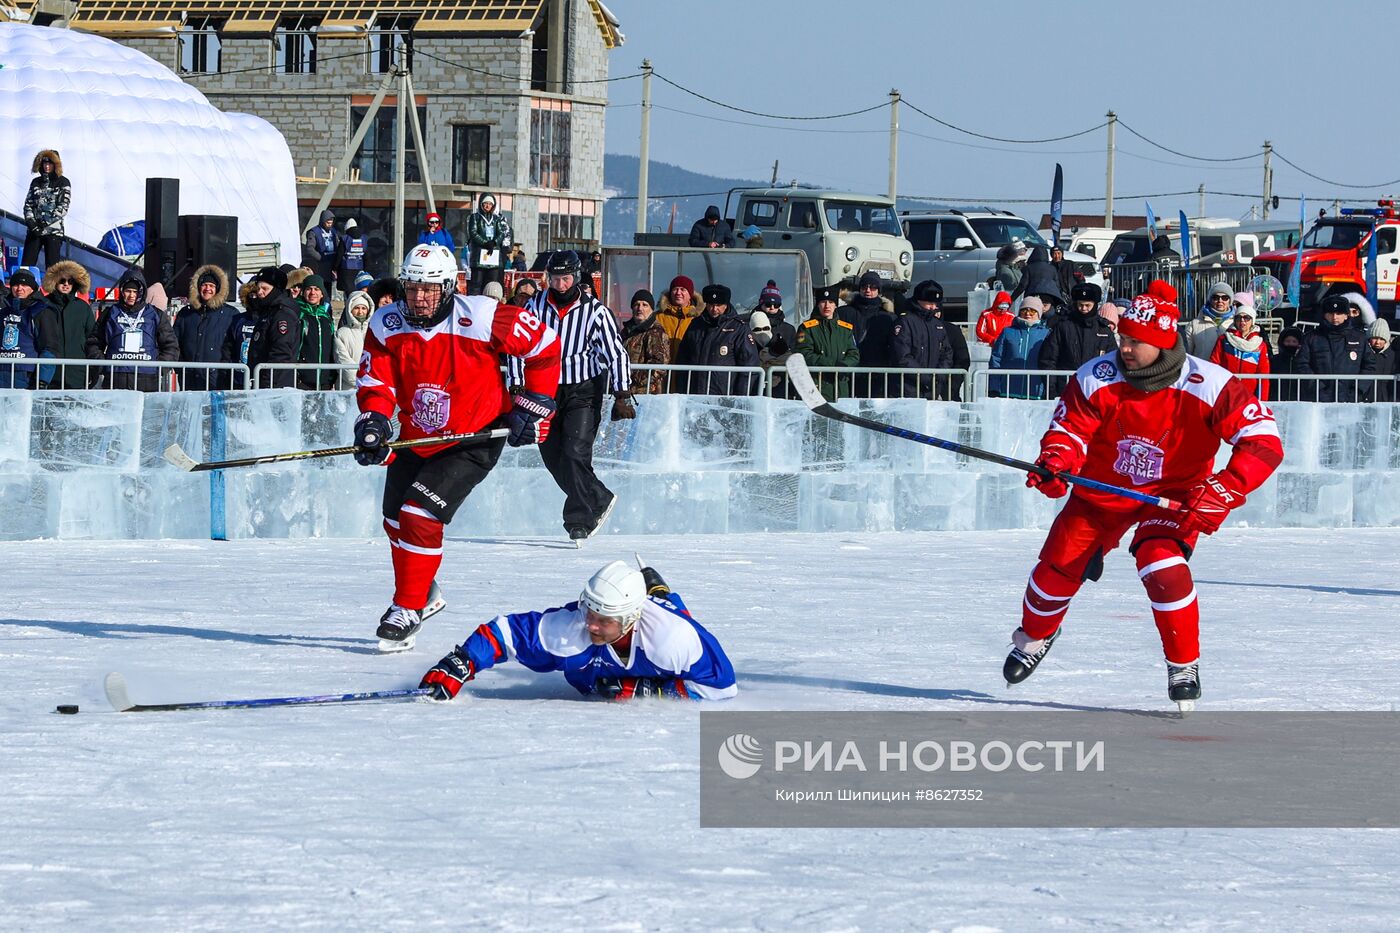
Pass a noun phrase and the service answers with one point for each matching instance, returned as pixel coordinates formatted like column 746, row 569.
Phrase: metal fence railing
column 1017, row 383
column 1132, row 278
column 1290, row 387
column 672, row 378
column 838, row 382
column 142, row 375
column 323, row 376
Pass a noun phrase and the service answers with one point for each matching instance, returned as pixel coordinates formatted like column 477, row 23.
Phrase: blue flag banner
column 1057, row 205
column 1372, row 292
column 1151, row 222
column 1295, row 276
column 1186, row 260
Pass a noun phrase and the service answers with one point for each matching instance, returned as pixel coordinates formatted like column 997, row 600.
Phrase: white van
column 1215, row 241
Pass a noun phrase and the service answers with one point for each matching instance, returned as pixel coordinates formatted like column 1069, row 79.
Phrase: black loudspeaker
column 162, row 229
column 206, row 239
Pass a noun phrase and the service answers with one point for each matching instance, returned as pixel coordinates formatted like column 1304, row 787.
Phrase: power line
column 514, row 78
column 1186, row 155
column 271, row 67
column 769, row 126
column 1327, row 181
column 768, row 116
column 1001, row 139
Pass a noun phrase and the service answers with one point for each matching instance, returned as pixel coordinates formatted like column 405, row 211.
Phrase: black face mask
column 564, row 299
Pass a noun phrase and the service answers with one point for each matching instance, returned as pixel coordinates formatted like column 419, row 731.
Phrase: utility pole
column 894, row 141
column 1201, row 204
column 643, row 162
column 1268, row 177
column 1108, row 193
column 400, row 160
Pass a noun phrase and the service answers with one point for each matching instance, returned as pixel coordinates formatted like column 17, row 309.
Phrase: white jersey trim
column 564, row 632
column 669, row 641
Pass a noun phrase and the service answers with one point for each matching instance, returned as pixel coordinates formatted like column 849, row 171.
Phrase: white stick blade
column 115, row 685
column 801, row 378
column 176, row 454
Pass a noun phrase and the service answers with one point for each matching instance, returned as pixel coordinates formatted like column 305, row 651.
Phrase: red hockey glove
column 1055, row 460
column 447, row 676
column 529, row 419
column 1208, row 503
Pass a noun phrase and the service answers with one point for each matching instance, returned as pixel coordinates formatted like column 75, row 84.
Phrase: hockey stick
column 802, row 381
column 176, row 454
column 117, row 695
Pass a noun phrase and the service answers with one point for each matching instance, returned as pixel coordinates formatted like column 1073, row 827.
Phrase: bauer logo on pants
column 432, row 408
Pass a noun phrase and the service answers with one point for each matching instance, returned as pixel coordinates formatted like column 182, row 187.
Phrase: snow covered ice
column 522, row 807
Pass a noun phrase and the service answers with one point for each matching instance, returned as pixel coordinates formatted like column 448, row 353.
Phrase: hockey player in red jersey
column 1150, row 417
column 435, row 357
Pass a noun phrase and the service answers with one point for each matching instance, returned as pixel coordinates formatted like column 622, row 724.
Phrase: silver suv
column 958, row 249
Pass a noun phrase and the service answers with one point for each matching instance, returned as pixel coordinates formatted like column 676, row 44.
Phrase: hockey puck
column 68, row 710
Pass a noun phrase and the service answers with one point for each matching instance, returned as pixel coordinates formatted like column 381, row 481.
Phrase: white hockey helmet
column 616, row 591
column 430, row 263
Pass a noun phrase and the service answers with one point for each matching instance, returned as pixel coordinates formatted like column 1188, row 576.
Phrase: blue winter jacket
column 1018, row 347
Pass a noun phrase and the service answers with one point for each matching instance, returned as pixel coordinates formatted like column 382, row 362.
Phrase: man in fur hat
column 202, row 328
column 45, row 206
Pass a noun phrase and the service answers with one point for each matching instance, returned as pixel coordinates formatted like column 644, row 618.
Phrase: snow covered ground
column 522, row 807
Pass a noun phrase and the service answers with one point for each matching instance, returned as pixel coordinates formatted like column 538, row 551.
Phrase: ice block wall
column 89, row 465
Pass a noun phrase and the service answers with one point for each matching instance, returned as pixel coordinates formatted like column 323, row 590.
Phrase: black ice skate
column 581, row 533
column 398, row 629
column 436, row 603
column 1184, row 685
column 1025, row 656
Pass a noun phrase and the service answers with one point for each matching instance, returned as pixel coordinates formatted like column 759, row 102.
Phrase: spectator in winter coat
column 1361, row 314
column 995, row 319
column 958, row 355
column 350, row 335
column 826, row 340
column 317, row 335
column 202, row 328
column 1163, row 254
column 711, row 231
column 517, row 258
column 647, row 346
column 322, row 248
column 239, row 339
column 386, row 291
column 17, row 332
column 1109, row 313
column 1080, row 336
column 1285, row 363
column 1242, row 349
column 488, row 237
column 1201, row 335
column 45, row 206
column 679, row 306
column 277, row 334
column 864, row 304
column 64, row 322
column 1018, row 347
column 775, row 343
column 1334, row 348
column 1040, row 279
column 133, row 329
column 920, row 340
column 1008, row 270
column 436, row 234
column 1064, row 270
column 718, row 337
column 525, row 290
column 1382, row 357
column 350, row 258
column 294, row 280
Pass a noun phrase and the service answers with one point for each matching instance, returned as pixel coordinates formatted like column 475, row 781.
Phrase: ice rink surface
column 523, row 807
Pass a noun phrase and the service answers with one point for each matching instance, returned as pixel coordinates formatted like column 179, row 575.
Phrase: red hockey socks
column 1167, row 579
column 416, row 549
column 1048, row 592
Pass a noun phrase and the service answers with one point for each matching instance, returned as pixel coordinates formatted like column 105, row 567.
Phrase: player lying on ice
column 1154, row 415
column 627, row 635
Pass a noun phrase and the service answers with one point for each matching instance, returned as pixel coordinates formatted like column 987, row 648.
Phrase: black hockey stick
column 176, row 454
column 801, row 379
column 117, row 695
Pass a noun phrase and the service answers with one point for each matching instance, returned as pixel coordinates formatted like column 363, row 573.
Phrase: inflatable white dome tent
column 117, row 117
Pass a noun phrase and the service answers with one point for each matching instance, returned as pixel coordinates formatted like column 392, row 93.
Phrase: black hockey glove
column 622, row 689
column 447, row 676
column 529, row 419
column 372, row 433
column 623, row 406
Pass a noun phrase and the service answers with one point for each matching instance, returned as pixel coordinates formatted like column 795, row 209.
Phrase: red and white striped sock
column 416, row 544
column 1167, row 579
column 1048, row 592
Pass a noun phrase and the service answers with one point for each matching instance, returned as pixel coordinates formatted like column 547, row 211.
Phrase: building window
column 375, row 159
column 296, row 45
column 388, row 34
column 471, row 155
column 565, row 231
column 549, row 148
column 201, row 51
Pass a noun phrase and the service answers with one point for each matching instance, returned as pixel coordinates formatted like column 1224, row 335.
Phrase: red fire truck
column 1334, row 255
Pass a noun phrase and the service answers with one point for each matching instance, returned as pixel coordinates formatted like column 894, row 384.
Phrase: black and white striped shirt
column 589, row 343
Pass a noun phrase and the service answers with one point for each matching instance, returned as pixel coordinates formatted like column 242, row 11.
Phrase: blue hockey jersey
column 666, row 644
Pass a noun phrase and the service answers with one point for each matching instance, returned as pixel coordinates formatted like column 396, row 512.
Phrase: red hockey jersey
column 447, row 379
column 1162, row 442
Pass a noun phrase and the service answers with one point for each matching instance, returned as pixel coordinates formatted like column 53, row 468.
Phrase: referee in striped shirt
column 592, row 361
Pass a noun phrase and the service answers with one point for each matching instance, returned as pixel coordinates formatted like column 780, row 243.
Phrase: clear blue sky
column 1209, row 79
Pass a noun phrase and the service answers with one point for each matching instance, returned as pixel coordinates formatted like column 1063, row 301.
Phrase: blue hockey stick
column 801, row 379
column 115, row 685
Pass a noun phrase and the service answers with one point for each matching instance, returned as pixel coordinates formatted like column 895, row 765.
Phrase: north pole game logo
column 1139, row 460
column 431, row 409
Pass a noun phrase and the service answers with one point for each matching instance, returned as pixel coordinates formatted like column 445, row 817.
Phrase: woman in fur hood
column 64, row 321
column 350, row 335
column 45, row 206
column 202, row 327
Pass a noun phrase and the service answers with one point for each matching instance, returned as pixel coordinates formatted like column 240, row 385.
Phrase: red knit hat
column 1151, row 319
column 684, row 282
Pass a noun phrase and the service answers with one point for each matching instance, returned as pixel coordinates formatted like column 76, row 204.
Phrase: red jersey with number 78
column 1161, row 442
column 446, row 379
